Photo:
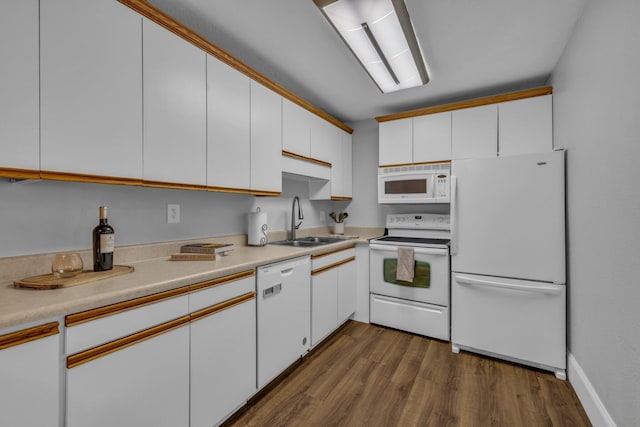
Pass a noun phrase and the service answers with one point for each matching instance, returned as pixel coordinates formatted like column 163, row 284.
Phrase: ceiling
column 472, row 47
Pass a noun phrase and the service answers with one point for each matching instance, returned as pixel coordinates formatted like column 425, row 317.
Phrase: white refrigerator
column 508, row 293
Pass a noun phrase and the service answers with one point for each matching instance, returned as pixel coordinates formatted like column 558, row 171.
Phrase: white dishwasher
column 284, row 316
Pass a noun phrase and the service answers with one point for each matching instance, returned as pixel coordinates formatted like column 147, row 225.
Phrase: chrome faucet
column 294, row 227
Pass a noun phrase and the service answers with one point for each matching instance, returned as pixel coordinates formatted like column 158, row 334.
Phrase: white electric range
column 422, row 305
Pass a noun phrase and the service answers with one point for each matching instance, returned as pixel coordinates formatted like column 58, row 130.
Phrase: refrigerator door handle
column 465, row 280
column 453, row 217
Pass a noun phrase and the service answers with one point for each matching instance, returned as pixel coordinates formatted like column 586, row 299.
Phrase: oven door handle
column 417, row 251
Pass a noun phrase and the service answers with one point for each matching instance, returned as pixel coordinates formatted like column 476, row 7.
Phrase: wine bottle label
column 107, row 243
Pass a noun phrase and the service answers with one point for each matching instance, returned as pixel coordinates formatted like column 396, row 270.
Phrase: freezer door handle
column 454, row 215
column 271, row 291
column 466, row 280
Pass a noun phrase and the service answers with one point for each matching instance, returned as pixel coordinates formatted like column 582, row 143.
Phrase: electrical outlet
column 323, row 217
column 173, row 214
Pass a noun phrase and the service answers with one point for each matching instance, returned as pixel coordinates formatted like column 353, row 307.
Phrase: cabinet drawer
column 221, row 292
column 329, row 258
column 104, row 329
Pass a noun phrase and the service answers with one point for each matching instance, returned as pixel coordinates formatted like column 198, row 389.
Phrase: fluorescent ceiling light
column 381, row 36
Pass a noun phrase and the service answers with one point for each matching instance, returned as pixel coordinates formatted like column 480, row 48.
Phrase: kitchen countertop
column 21, row 306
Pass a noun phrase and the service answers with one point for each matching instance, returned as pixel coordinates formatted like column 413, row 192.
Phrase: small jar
column 338, row 228
column 67, row 265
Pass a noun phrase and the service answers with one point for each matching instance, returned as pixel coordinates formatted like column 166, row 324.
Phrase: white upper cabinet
column 396, row 142
column 324, row 137
column 266, row 139
column 525, row 126
column 19, row 103
column 91, row 88
column 337, row 162
column 175, row 107
column 296, row 134
column 228, row 126
column 474, row 132
column 347, row 164
column 432, row 138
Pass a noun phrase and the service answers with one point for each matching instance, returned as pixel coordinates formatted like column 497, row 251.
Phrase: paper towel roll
column 257, row 230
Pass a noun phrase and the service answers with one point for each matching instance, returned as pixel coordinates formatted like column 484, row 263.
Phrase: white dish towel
column 406, row 263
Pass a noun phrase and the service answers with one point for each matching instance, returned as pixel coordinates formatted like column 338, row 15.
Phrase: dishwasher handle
column 272, row 291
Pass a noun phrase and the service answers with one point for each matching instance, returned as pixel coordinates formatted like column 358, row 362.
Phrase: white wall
column 597, row 118
column 50, row 216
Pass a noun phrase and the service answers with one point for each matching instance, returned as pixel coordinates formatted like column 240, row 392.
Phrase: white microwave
column 414, row 184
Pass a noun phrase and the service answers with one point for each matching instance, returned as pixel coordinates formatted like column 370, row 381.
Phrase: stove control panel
column 419, row 221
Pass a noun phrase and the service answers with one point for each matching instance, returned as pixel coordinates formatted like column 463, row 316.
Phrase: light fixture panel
column 382, row 47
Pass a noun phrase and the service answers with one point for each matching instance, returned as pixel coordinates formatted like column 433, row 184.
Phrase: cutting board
column 49, row 281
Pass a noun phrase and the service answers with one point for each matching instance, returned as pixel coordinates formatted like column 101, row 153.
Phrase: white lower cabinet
column 146, row 384
column 139, row 379
column 324, row 304
column 333, row 292
column 30, row 376
column 223, row 350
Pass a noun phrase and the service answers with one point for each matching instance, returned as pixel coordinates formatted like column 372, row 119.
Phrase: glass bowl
column 67, row 265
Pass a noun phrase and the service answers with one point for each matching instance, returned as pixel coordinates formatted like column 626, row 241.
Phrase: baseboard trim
column 593, row 406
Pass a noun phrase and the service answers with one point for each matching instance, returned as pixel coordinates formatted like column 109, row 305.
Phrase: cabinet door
column 347, row 290
column 432, row 138
column 347, row 164
column 91, row 88
column 223, row 363
column 175, row 105
column 323, row 139
column 228, row 126
column 337, row 163
column 324, row 304
column 474, row 132
column 145, row 384
column 30, row 391
column 266, row 139
column 396, row 142
column 19, row 85
column 525, row 126
column 296, row 122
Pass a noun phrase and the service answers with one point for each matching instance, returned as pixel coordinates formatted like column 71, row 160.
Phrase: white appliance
column 427, row 183
column 284, row 319
column 420, row 306
column 508, row 294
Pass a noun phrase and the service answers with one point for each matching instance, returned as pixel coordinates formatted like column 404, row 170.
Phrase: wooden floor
column 365, row 375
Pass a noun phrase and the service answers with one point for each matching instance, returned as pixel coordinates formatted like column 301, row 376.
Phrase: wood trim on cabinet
column 493, row 99
column 305, row 158
column 399, row 165
column 220, row 280
column 19, row 173
column 262, row 193
column 146, row 9
column 174, row 185
column 208, row 311
column 335, row 251
column 98, row 179
column 341, row 199
column 30, row 334
column 119, row 344
column 329, row 267
column 108, row 310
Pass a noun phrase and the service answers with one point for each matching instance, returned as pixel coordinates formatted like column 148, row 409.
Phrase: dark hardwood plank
column 366, row 375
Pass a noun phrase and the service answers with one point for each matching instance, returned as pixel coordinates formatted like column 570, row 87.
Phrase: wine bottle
column 103, row 243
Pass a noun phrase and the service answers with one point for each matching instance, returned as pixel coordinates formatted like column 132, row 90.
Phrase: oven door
column 431, row 278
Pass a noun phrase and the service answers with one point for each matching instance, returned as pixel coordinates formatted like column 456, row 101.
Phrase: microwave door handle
column 454, row 215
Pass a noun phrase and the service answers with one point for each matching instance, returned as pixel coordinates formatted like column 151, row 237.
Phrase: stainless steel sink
column 307, row 242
